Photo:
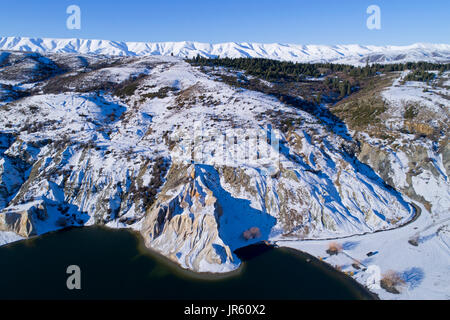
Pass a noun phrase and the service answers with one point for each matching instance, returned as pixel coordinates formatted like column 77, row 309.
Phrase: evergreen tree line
column 344, row 87
column 420, row 75
column 274, row 70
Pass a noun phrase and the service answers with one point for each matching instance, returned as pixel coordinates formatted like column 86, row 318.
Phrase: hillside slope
column 200, row 167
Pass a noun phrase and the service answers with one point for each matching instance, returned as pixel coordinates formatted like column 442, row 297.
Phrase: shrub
column 127, row 90
column 334, row 248
column 61, row 222
column 34, row 109
column 251, row 233
column 391, row 281
column 411, row 112
column 161, row 93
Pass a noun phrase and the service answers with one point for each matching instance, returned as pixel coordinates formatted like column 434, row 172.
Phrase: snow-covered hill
column 349, row 54
column 174, row 152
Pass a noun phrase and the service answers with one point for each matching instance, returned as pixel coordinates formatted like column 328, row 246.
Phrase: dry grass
column 392, row 281
column 364, row 108
column 361, row 113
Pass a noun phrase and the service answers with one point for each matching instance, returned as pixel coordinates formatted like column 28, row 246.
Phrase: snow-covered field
column 420, row 93
column 423, row 268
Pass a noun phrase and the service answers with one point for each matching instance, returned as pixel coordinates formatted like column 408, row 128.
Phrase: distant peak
column 350, row 53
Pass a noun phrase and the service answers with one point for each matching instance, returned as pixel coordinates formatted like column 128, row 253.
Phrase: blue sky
column 285, row 21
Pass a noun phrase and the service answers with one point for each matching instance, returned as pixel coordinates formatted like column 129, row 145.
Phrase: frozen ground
column 424, row 268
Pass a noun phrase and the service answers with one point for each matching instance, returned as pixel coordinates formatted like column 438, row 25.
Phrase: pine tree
column 319, row 98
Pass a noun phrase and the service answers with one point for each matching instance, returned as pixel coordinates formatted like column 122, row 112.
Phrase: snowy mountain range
column 349, row 54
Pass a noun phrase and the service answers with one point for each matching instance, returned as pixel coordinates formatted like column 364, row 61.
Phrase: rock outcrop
column 22, row 219
column 184, row 223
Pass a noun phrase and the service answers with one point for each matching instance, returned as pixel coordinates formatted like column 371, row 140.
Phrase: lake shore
column 104, row 254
